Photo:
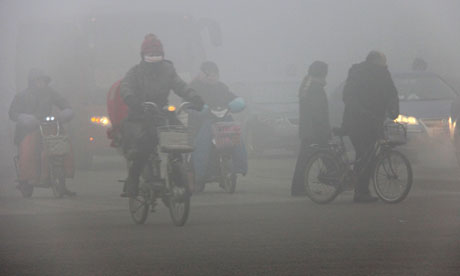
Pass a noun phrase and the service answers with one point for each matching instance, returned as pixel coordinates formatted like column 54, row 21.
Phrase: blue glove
column 237, row 105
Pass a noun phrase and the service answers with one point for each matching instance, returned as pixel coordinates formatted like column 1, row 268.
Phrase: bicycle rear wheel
column 322, row 177
column 392, row 177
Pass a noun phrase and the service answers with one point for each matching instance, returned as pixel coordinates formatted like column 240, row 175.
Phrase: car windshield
column 422, row 88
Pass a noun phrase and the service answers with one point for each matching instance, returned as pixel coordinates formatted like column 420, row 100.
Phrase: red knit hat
column 152, row 46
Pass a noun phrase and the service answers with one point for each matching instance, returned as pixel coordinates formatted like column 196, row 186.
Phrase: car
column 272, row 117
column 425, row 101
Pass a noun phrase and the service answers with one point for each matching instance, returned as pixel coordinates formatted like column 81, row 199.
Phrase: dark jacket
column 215, row 94
column 153, row 82
column 38, row 103
column 314, row 123
column 370, row 96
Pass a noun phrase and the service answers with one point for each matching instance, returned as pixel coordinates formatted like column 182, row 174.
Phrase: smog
column 243, row 213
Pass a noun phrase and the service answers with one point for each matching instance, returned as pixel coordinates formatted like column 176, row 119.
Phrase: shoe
column 364, row 198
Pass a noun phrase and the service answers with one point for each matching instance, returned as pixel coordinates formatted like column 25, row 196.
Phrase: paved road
column 260, row 230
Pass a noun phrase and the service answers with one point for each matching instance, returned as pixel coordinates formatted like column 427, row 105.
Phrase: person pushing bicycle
column 370, row 97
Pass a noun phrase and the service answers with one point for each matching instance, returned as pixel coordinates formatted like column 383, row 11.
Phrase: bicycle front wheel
column 392, row 177
column 179, row 195
column 322, row 177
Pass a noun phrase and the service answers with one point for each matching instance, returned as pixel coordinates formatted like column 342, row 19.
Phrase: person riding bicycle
column 27, row 109
column 370, row 97
column 217, row 95
column 149, row 81
column 314, row 126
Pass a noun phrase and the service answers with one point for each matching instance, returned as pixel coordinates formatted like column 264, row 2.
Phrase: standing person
column 314, row 126
column 27, row 109
column 149, row 81
column 370, row 96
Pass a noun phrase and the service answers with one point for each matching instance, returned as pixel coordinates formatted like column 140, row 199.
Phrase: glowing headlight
column 103, row 120
column 408, row 120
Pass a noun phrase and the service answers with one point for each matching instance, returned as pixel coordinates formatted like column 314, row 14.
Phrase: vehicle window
column 423, row 88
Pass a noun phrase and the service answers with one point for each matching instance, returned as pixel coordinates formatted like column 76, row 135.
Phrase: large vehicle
column 87, row 54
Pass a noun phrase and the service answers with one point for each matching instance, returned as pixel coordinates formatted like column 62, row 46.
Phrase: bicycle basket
column 56, row 145
column 174, row 138
column 395, row 133
column 226, row 134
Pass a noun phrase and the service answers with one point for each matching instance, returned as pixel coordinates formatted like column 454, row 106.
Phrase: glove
column 28, row 121
column 237, row 105
column 133, row 102
column 65, row 115
column 197, row 103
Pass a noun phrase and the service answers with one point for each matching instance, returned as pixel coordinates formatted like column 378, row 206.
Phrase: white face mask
column 152, row 59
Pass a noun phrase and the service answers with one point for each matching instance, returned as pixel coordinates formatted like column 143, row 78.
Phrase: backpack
column 117, row 111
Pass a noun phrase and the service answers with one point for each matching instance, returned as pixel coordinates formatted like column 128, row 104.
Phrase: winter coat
column 370, row 96
column 36, row 102
column 214, row 94
column 153, row 82
column 314, row 123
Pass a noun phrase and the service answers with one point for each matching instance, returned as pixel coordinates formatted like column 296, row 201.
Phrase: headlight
column 408, row 120
column 100, row 120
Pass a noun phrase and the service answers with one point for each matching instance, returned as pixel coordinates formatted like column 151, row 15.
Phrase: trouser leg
column 363, row 168
column 297, row 186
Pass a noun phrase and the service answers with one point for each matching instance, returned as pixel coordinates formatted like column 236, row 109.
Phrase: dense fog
column 261, row 40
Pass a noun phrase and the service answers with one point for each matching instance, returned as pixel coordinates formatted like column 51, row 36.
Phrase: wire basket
column 395, row 133
column 226, row 134
column 175, row 138
column 56, row 145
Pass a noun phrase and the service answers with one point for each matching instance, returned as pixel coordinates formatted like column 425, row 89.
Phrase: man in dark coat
column 34, row 104
column 149, row 81
column 314, row 126
column 370, row 97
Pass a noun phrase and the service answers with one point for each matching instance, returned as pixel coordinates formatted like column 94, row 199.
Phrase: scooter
column 53, row 147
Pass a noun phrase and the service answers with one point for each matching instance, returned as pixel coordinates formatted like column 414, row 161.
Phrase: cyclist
column 149, row 81
column 370, row 96
column 216, row 95
column 27, row 109
column 314, row 127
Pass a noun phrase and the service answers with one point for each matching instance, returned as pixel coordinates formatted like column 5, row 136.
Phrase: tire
column 26, row 189
column 179, row 195
column 140, row 205
column 321, row 165
column 228, row 178
column 392, row 167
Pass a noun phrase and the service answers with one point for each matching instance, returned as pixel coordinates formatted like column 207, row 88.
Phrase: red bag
column 117, row 111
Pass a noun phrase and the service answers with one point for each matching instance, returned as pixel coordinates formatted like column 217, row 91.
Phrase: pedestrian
column 370, row 97
column 314, row 126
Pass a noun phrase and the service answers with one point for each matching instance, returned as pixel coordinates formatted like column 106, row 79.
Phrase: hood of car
column 426, row 109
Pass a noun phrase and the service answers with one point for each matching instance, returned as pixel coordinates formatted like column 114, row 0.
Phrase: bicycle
column 168, row 183
column 329, row 170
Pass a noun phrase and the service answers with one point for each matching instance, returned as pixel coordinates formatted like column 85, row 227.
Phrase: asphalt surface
column 259, row 230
